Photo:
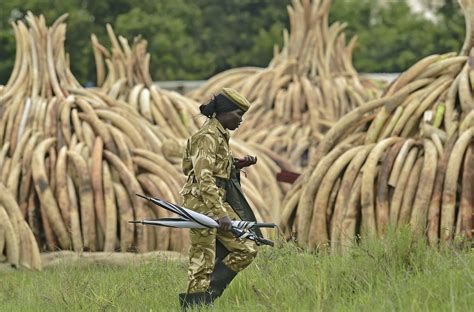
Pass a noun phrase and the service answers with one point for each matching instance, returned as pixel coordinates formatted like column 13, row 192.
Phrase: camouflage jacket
column 206, row 157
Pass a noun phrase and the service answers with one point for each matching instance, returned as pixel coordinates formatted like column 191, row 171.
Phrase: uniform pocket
column 222, row 165
column 192, row 189
column 196, row 204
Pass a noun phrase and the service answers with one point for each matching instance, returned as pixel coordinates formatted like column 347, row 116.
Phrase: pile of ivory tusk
column 405, row 159
column 135, row 81
column 128, row 79
column 307, row 86
column 72, row 160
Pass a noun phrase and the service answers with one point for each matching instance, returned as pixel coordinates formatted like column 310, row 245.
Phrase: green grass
column 395, row 274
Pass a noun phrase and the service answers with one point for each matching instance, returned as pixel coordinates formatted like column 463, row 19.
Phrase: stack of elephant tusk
column 72, row 159
column 307, row 86
column 405, row 159
column 132, row 86
column 128, row 79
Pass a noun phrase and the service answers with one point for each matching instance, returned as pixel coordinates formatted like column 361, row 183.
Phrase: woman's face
column 231, row 120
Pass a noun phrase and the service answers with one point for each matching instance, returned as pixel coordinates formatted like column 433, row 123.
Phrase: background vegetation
column 195, row 39
column 394, row 274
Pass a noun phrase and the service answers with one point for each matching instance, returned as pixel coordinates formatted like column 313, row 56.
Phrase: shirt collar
column 214, row 122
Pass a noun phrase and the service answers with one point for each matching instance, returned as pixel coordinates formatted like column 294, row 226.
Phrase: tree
column 392, row 37
column 80, row 26
column 242, row 32
column 195, row 39
column 171, row 30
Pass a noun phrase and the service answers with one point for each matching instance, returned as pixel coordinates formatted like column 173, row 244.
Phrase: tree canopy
column 197, row 39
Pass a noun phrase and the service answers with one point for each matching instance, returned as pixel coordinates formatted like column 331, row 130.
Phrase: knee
column 252, row 253
column 248, row 253
column 240, row 260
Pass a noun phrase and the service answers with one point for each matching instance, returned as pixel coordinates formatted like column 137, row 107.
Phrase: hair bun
column 208, row 109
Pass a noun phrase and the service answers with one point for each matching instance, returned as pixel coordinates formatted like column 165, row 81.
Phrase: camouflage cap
column 236, row 98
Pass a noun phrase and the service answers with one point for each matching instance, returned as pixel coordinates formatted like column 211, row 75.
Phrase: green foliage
column 242, row 32
column 396, row 273
column 169, row 27
column 197, row 39
column 80, row 26
column 391, row 38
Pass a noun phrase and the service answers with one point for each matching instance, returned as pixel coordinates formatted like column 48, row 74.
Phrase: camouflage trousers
column 202, row 255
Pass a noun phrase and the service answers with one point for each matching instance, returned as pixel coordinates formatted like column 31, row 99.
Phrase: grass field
column 395, row 274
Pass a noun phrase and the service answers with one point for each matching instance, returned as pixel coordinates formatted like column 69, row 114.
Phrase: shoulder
column 206, row 138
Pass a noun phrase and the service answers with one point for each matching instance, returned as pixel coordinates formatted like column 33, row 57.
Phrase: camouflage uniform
column 207, row 159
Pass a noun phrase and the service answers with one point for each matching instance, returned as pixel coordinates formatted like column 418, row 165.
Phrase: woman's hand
column 225, row 224
column 245, row 162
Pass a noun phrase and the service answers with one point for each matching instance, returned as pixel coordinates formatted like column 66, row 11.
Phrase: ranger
column 213, row 188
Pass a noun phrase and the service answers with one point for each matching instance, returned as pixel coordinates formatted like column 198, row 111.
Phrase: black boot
column 220, row 279
column 187, row 301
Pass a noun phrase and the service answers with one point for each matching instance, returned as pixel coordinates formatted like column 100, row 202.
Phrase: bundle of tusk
column 310, row 83
column 402, row 160
column 128, row 79
column 73, row 158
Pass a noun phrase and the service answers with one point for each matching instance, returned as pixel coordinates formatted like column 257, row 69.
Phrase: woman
column 213, row 188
